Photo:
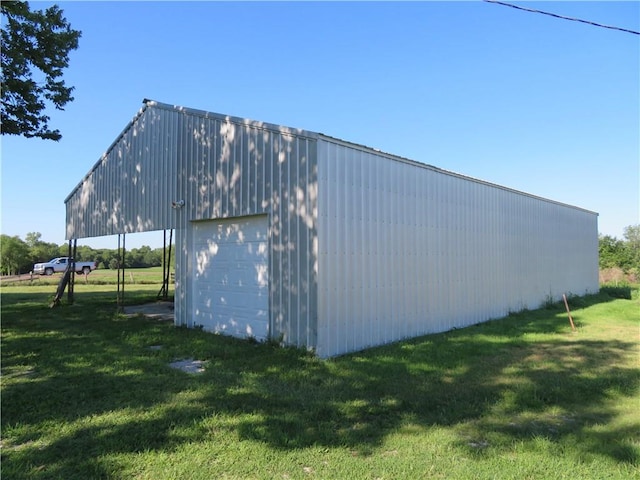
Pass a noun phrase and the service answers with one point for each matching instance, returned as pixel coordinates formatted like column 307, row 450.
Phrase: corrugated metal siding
column 406, row 250
column 365, row 248
column 222, row 167
column 229, row 167
column 131, row 187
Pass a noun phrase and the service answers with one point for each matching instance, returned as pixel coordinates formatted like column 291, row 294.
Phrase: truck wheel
column 86, row 270
column 48, row 271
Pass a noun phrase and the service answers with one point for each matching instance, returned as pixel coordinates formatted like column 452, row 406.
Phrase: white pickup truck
column 60, row 265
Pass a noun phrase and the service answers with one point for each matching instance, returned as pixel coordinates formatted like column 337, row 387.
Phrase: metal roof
column 309, row 134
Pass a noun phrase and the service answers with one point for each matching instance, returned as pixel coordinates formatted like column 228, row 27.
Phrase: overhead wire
column 533, row 10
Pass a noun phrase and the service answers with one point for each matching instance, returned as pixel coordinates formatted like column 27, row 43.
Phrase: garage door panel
column 224, row 299
column 228, row 324
column 241, row 275
column 230, row 288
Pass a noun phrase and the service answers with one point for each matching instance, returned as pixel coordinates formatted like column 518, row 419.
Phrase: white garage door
column 230, row 287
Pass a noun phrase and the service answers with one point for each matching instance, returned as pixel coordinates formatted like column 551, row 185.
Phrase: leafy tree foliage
column 611, row 251
column 14, row 255
column 632, row 236
column 32, row 238
column 143, row 256
column 35, row 50
column 624, row 254
column 41, row 251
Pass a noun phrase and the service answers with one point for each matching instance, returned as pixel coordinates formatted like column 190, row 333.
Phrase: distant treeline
column 18, row 256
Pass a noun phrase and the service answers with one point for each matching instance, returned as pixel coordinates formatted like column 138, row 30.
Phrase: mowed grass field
column 99, row 276
column 87, row 394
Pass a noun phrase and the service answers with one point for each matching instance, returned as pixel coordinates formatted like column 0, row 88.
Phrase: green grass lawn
column 100, row 276
column 85, row 396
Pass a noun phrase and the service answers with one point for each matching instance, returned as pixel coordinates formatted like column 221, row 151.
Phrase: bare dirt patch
column 615, row 274
column 156, row 310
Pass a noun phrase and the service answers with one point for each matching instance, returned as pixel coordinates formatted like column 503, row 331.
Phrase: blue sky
column 547, row 106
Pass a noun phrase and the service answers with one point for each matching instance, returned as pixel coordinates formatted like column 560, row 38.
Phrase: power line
column 563, row 17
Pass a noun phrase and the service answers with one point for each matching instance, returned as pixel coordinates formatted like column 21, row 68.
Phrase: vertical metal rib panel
column 379, row 247
column 229, row 168
column 406, row 249
column 131, row 187
column 221, row 167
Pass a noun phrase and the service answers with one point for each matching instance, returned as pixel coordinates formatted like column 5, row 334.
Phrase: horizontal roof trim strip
column 228, row 118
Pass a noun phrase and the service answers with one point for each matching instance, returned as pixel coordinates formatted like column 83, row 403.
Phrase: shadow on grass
column 93, row 376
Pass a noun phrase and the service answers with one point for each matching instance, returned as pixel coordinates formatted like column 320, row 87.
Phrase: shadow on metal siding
column 221, row 167
column 131, row 187
column 231, row 169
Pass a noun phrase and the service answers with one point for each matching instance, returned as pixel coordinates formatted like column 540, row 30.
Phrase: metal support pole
column 163, row 292
column 166, row 266
column 72, row 266
column 70, row 261
column 118, row 266
column 169, row 260
column 123, row 262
